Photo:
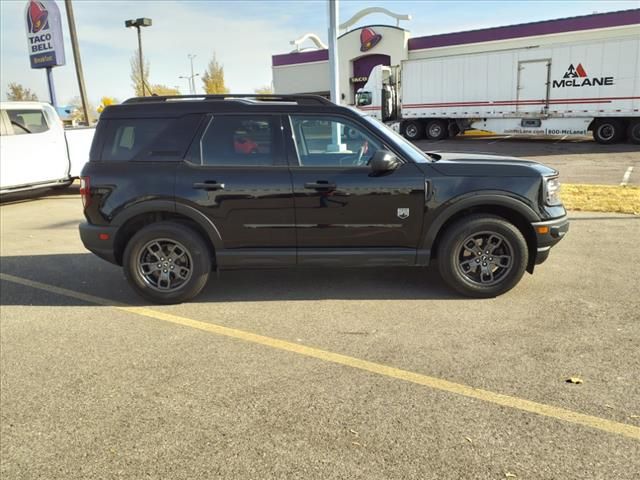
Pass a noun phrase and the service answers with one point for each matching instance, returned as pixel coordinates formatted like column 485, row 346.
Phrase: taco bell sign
column 44, row 34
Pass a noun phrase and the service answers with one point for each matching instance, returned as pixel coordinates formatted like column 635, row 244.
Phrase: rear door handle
column 320, row 185
column 209, row 185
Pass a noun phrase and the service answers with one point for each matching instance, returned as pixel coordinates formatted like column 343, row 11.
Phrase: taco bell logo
column 37, row 17
column 44, row 33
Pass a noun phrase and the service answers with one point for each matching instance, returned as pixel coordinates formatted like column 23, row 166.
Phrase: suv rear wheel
column 482, row 256
column 167, row 262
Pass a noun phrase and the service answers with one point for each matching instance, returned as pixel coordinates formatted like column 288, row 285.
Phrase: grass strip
column 601, row 198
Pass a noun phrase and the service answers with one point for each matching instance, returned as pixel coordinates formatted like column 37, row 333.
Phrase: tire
column 436, row 130
column 608, row 131
column 633, row 132
column 413, row 130
column 462, row 267
column 194, row 264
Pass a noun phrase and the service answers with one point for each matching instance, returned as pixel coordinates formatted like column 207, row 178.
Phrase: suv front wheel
column 167, row 262
column 482, row 256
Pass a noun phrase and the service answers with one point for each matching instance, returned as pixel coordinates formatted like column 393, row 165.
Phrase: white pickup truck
column 35, row 149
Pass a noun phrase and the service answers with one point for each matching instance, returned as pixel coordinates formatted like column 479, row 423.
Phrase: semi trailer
column 564, row 88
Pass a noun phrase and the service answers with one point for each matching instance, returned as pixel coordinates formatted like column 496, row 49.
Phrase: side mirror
column 384, row 161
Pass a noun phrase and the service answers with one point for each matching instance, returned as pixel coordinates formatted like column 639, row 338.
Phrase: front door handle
column 209, row 185
column 320, row 185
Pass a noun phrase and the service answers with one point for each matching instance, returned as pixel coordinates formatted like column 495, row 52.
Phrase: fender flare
column 480, row 199
column 169, row 206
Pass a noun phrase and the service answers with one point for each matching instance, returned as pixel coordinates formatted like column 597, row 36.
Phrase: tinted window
column 331, row 142
column 130, row 138
column 237, row 140
column 26, row 121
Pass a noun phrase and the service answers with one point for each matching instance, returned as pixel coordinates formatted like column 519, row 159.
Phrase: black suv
column 179, row 186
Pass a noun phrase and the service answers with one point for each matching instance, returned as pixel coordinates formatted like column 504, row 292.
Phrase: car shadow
column 87, row 274
column 49, row 193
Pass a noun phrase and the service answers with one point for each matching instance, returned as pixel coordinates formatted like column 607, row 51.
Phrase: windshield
column 408, row 148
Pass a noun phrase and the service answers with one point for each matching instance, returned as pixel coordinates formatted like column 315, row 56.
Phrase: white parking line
column 626, row 176
column 561, row 140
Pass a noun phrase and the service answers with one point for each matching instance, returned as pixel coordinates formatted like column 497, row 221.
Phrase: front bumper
column 548, row 234
column 99, row 239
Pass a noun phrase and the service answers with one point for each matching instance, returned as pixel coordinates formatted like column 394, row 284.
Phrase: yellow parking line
column 558, row 413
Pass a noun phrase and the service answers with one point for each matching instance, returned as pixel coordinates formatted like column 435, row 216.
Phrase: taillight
column 85, row 191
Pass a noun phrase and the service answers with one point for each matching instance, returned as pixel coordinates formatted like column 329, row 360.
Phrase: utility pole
column 76, row 60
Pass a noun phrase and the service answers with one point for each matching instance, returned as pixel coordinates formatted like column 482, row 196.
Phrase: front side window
column 323, row 141
column 238, row 140
column 27, row 121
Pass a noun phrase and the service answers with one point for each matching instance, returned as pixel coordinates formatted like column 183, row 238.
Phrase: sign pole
column 333, row 52
column 77, row 61
column 52, row 90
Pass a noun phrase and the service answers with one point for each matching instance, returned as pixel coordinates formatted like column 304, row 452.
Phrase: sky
column 242, row 34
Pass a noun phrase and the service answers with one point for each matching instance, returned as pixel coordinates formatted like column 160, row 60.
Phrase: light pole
column 191, row 78
column 137, row 23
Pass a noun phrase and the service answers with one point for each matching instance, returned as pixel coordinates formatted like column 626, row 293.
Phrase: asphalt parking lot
column 373, row 374
column 579, row 159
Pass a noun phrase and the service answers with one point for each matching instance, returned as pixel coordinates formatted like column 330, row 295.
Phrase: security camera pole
column 77, row 61
column 137, row 23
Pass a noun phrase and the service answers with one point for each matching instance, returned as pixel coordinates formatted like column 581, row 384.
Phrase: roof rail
column 253, row 97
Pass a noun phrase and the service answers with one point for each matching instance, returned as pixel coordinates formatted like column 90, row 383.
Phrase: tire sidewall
column 452, row 243
column 617, row 132
column 442, row 129
column 412, row 126
column 190, row 239
column 634, row 132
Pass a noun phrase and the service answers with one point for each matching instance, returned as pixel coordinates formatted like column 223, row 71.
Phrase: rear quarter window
column 146, row 139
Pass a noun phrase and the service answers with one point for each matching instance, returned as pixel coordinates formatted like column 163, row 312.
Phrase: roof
column 546, row 27
column 22, row 104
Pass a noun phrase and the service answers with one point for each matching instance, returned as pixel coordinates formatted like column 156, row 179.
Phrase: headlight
column 552, row 191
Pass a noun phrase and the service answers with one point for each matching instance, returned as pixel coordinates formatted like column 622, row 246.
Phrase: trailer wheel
column 608, row 131
column 634, row 132
column 437, row 130
column 413, row 130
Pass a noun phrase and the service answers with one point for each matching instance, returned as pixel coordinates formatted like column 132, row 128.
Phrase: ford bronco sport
column 179, row 186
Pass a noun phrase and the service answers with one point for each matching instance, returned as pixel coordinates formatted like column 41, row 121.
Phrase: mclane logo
column 577, row 77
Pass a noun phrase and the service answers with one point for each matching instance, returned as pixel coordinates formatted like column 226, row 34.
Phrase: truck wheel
column 633, row 132
column 437, row 130
column 482, row 256
column 413, row 130
column 167, row 262
column 608, row 131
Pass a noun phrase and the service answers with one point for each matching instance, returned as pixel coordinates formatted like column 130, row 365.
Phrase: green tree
column 213, row 78
column 264, row 90
column 18, row 92
column 137, row 82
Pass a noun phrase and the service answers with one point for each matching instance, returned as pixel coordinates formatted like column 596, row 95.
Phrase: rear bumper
column 548, row 234
column 102, row 247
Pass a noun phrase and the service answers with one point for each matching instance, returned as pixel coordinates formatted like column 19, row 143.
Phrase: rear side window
column 24, row 122
column 238, row 140
column 127, row 139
